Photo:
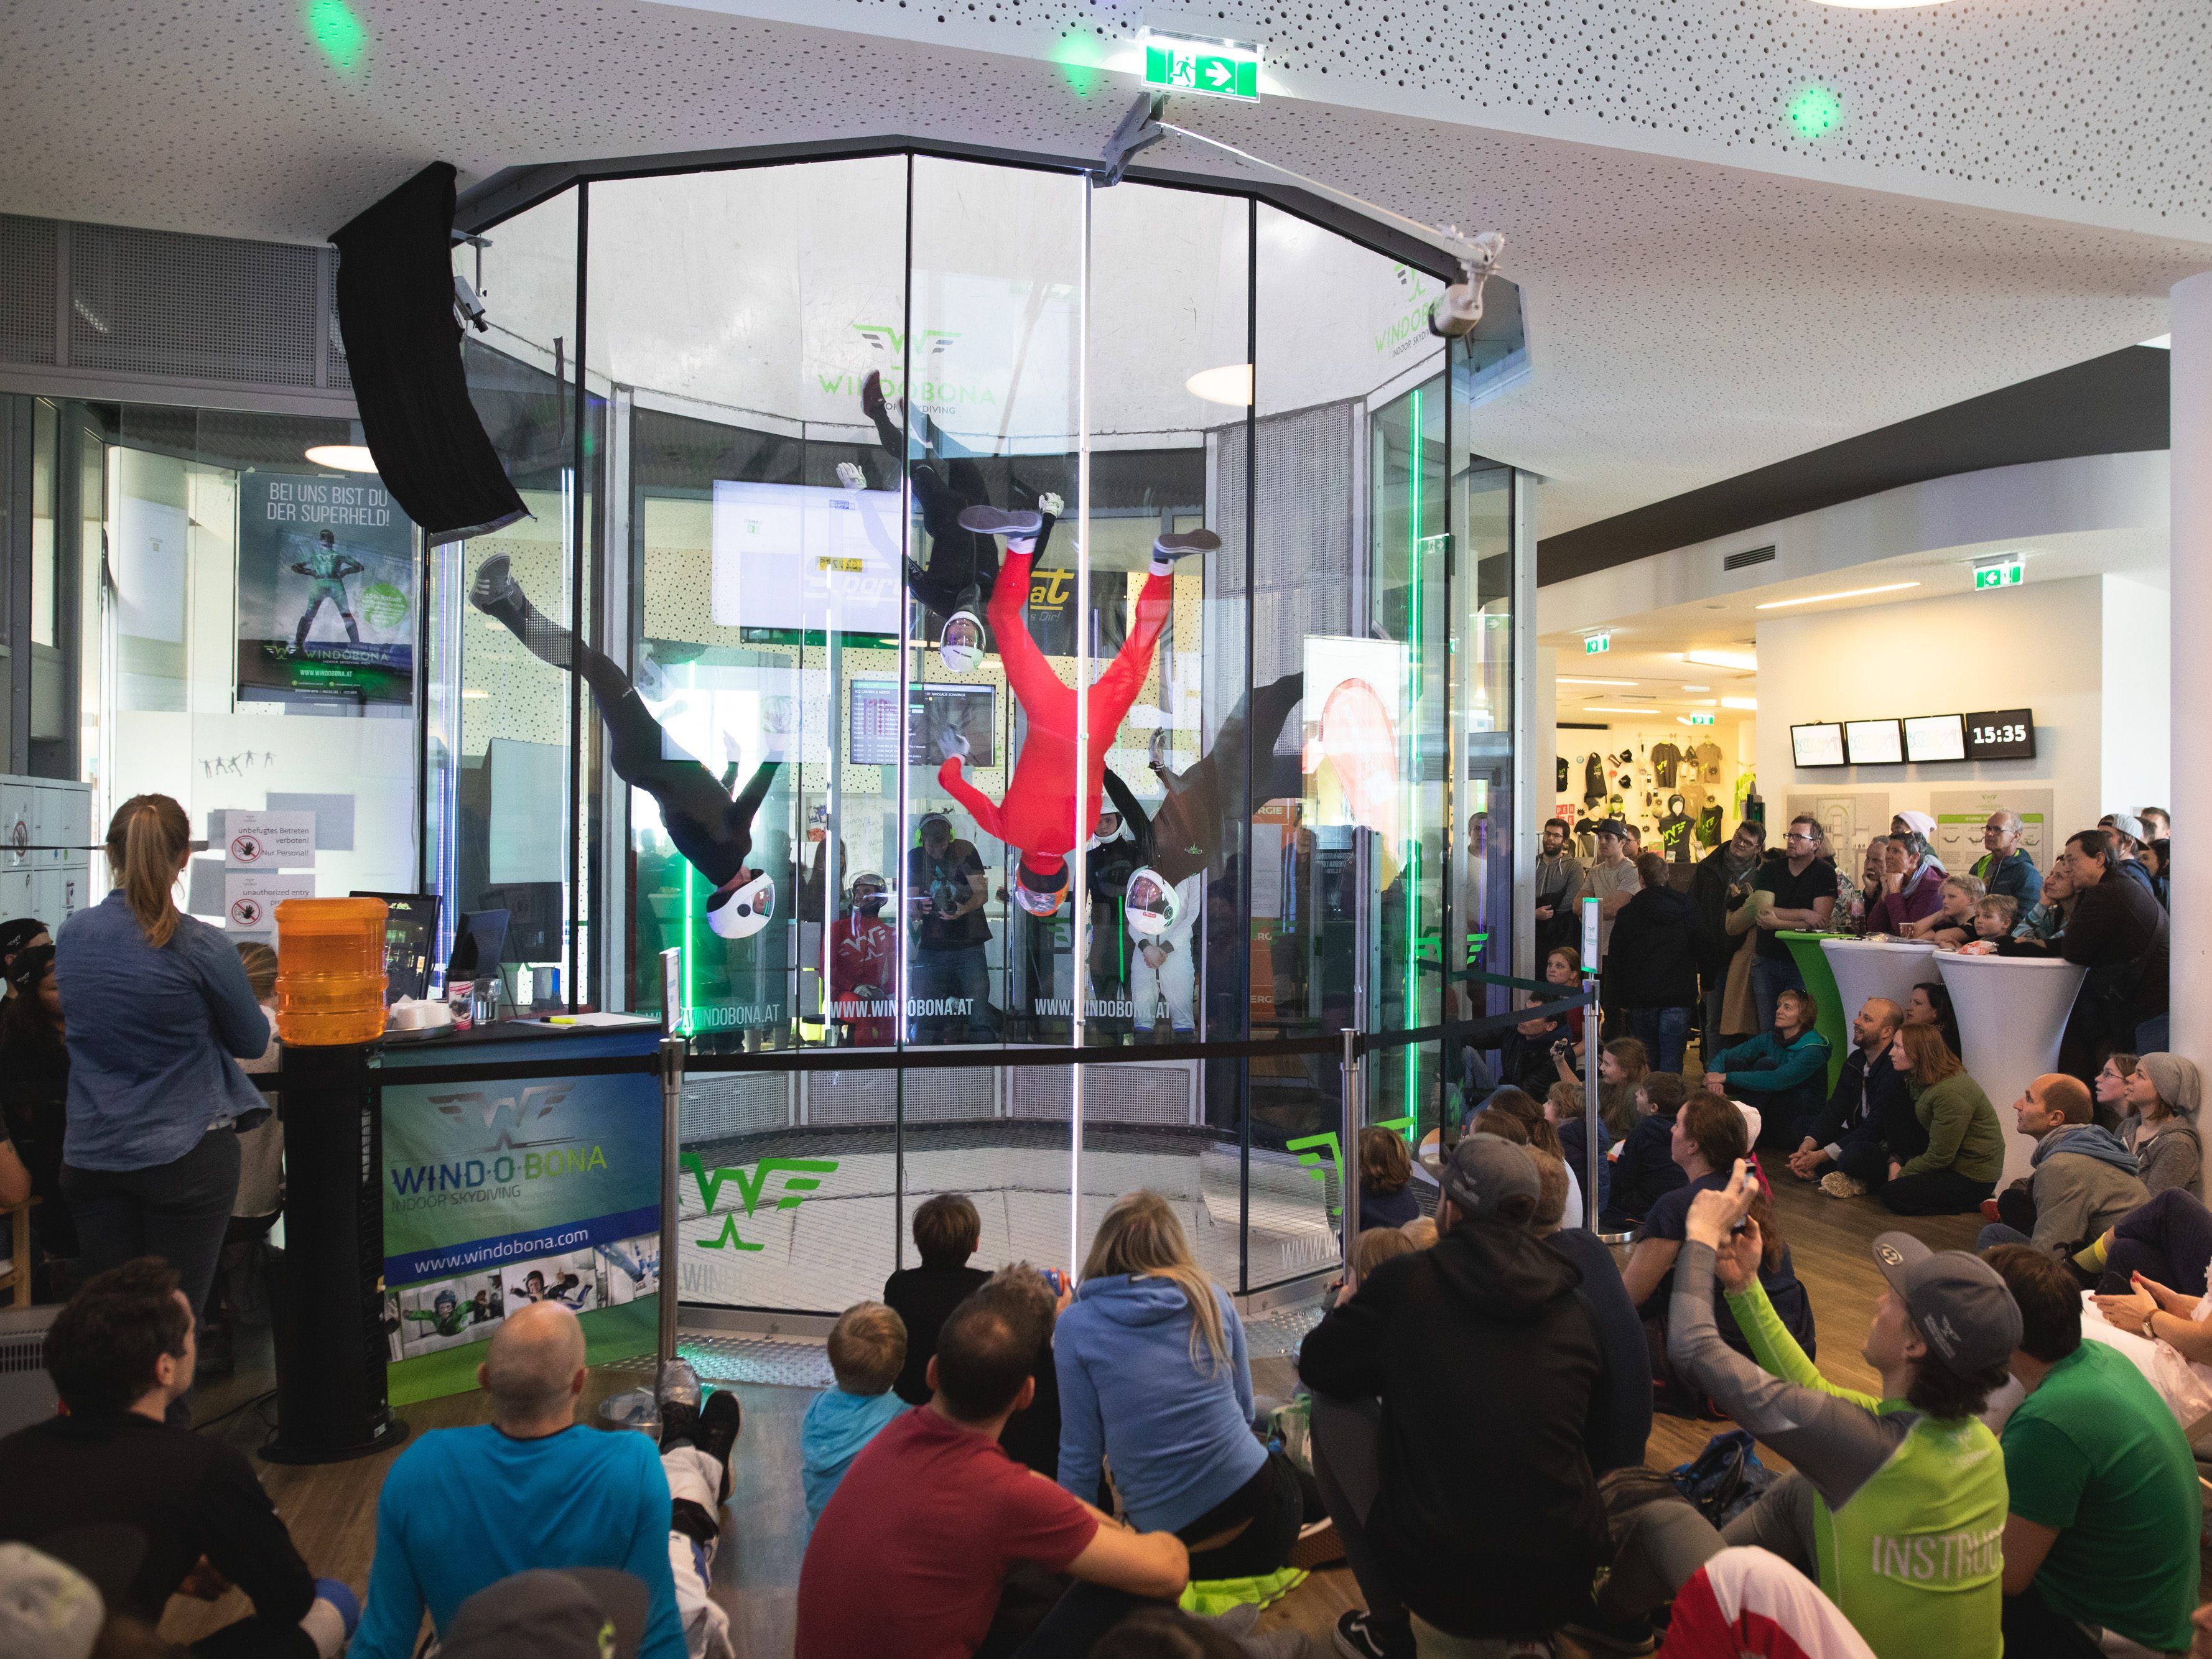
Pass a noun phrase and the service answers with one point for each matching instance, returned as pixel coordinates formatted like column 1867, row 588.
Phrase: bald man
column 465, row 1508
column 2084, row 1178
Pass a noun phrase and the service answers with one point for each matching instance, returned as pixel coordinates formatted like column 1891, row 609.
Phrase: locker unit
column 45, row 861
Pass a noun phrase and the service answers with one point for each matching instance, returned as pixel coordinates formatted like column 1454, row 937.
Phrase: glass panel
column 46, row 587
column 88, row 664
column 260, row 639
column 500, row 731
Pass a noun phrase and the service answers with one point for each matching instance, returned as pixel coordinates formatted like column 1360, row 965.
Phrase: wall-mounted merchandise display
column 1681, row 786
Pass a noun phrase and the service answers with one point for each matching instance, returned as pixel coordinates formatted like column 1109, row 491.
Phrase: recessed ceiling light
column 1230, row 384
column 1697, row 687
column 1589, row 709
column 345, row 457
column 1847, row 594
column 1568, row 679
column 1739, row 702
column 1743, row 661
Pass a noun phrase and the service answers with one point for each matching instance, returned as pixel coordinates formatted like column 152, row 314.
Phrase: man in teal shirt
column 465, row 1508
column 2102, row 1533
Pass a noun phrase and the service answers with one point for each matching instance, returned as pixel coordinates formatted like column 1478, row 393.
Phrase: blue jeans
column 1664, row 1033
column 946, row 977
column 1770, row 977
column 1998, row 1233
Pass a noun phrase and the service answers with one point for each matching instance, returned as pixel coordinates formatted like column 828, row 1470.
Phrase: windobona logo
column 1309, row 1149
column 795, row 1178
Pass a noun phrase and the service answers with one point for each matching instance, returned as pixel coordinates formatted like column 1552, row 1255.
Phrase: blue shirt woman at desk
column 159, row 1013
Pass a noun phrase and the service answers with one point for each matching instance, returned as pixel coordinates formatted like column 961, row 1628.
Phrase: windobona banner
column 326, row 572
column 497, row 1195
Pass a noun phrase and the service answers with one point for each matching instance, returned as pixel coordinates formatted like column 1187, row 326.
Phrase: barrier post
column 1590, row 1051
column 1348, row 1170
column 672, row 1050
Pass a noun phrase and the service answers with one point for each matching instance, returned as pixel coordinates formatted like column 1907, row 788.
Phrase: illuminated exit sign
column 2007, row 572
column 1596, row 644
column 1218, row 68
column 1701, row 720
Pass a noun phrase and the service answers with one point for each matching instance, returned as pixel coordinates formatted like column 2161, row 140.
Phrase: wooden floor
column 331, row 1510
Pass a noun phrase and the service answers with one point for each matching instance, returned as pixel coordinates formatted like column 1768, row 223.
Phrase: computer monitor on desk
column 479, row 938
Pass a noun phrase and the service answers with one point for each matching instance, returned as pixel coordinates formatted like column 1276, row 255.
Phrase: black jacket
column 2117, row 930
column 924, row 1298
column 1622, row 1408
column 1489, row 1371
column 1849, row 1107
column 1709, row 888
column 1645, row 1171
column 1653, row 959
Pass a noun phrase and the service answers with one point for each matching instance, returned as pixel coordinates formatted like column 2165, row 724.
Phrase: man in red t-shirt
column 909, row 1558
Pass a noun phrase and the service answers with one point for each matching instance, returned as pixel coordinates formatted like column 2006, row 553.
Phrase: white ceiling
column 1690, row 321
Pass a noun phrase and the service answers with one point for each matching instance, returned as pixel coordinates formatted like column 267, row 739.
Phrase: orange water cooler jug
column 329, row 970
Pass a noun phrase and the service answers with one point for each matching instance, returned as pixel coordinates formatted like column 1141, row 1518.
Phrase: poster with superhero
column 326, row 593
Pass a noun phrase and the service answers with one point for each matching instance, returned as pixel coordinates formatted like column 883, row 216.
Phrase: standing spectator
column 1386, row 1180
column 463, row 1508
column 1646, row 1171
column 1719, row 886
column 912, row 1554
column 34, row 1097
column 2007, row 867
column 1965, row 1154
column 2157, row 826
column 947, row 1231
column 2157, row 860
column 946, row 889
column 2101, row 1536
column 1559, row 888
column 1710, row 1138
column 1656, row 950
column 1798, row 892
column 1613, row 881
column 120, row 1354
column 160, row 1013
column 1486, row 1327
column 2163, row 1093
column 2129, row 837
column 1896, row 1503
column 2083, row 1180
column 1154, row 1379
column 867, row 1347
column 1853, row 1108
column 1928, row 1003
column 1912, row 885
column 1784, row 1070
column 2115, row 929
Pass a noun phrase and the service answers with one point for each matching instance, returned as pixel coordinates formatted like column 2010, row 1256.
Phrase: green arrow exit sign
column 1218, row 68
column 1596, row 644
column 2007, row 572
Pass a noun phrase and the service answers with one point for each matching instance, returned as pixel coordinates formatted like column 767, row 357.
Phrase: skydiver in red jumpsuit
column 1038, row 814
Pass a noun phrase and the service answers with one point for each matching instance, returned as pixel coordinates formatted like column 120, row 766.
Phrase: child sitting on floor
column 867, row 1347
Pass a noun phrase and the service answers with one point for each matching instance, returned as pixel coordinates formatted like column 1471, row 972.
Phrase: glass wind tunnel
column 759, row 713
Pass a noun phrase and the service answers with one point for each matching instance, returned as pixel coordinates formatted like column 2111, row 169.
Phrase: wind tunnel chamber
column 746, row 690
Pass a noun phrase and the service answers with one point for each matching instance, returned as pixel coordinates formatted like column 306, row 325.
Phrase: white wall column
column 2192, row 666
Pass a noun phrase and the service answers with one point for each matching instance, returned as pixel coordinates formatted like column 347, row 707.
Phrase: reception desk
column 1868, row 968
column 501, row 1192
column 2012, row 1013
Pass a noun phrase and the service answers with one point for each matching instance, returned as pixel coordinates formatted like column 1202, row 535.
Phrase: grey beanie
column 2178, row 1083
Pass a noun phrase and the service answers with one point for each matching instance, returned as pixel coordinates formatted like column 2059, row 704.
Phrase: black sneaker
column 1362, row 1636
column 1185, row 542
column 495, row 582
column 716, row 1435
column 998, row 521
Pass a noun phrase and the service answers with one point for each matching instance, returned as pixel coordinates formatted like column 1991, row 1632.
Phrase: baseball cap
column 579, row 1613
column 1484, row 1171
column 2131, row 826
column 47, row 1610
column 1959, row 1302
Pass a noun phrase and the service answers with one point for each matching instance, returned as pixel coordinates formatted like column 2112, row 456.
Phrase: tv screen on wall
column 1873, row 743
column 1936, row 738
column 1817, row 745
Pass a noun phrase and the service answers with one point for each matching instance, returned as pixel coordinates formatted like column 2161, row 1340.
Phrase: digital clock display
column 2001, row 734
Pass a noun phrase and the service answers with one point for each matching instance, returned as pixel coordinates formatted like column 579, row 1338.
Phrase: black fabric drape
column 395, row 296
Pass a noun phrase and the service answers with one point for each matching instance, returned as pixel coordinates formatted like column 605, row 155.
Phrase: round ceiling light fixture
column 343, row 457
column 1230, row 384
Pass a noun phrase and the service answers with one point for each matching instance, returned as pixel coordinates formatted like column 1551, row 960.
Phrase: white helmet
column 744, row 910
column 960, row 647
column 1152, row 904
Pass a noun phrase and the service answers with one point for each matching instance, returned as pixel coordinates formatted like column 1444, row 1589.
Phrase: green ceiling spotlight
column 1815, row 113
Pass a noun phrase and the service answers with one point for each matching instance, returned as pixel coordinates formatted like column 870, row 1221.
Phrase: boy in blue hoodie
column 867, row 1346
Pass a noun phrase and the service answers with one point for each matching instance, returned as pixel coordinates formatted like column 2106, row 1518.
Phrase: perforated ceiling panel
column 202, row 307
column 1693, row 312
column 26, row 290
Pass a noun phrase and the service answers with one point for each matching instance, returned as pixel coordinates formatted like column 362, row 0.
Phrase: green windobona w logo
column 799, row 1178
column 1308, row 1148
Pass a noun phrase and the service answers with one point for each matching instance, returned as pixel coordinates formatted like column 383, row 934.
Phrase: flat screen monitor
column 533, row 919
column 806, row 556
column 410, row 924
column 1817, row 745
column 1873, row 743
column 479, row 938
column 1936, row 738
column 871, row 737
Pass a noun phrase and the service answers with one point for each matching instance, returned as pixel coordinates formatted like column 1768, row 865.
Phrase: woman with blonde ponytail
column 1153, row 1379
column 158, row 1012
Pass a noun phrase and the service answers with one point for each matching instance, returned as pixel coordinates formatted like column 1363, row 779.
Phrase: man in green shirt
column 1898, row 1505
column 2102, row 1533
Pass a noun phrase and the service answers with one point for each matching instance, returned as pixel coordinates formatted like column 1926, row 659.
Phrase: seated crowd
column 1024, row 1462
